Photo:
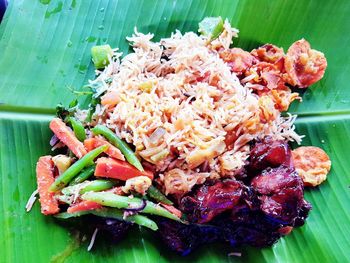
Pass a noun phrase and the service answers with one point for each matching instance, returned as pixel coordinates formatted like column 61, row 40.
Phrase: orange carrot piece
column 172, row 210
column 45, row 177
column 112, row 151
column 83, row 206
column 66, row 136
column 111, row 168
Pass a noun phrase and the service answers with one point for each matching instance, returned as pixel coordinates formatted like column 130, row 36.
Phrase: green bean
column 157, row 195
column 120, row 144
column 78, row 129
column 85, row 174
column 118, row 201
column 113, row 213
column 100, row 55
column 118, row 214
column 79, row 165
column 96, row 186
column 66, row 215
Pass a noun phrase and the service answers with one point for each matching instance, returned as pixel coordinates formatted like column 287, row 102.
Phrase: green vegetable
column 85, row 174
column 100, row 55
column 120, row 144
column 211, row 27
column 78, row 129
column 118, row 201
column 113, row 213
column 157, row 195
column 72, row 171
column 64, row 112
column 97, row 185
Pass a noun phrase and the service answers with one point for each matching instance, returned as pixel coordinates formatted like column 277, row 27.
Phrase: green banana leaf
column 45, row 51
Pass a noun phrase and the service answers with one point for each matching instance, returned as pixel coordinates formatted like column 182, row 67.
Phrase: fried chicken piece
column 268, row 53
column 238, row 59
column 304, row 66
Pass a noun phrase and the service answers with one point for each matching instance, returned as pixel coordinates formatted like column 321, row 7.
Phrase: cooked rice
column 195, row 98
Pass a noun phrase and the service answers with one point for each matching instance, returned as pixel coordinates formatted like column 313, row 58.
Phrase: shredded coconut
column 31, row 200
column 92, row 241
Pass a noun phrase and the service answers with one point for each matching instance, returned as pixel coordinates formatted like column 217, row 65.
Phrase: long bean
column 157, row 195
column 96, row 186
column 118, row 201
column 85, row 174
column 78, row 129
column 120, row 144
column 79, row 165
column 113, row 213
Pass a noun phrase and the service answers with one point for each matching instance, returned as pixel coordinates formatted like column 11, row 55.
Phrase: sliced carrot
column 172, row 210
column 66, row 136
column 111, row 168
column 45, row 177
column 83, row 206
column 112, row 151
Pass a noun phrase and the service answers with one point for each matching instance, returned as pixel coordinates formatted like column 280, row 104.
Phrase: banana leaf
column 45, row 52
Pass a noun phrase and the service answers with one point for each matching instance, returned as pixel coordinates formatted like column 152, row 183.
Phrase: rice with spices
column 178, row 102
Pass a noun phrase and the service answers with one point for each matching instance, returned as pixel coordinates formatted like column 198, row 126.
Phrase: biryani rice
column 181, row 86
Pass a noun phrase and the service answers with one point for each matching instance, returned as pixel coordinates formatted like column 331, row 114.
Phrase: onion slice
column 137, row 209
column 157, row 135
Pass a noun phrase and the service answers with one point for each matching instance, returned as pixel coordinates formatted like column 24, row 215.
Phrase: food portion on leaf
column 312, row 164
column 187, row 136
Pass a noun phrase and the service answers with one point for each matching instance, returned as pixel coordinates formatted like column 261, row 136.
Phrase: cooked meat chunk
column 281, row 194
column 210, row 201
column 269, row 153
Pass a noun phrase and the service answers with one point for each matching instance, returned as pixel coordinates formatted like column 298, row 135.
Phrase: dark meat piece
column 185, row 238
column 303, row 213
column 250, row 227
column 272, row 181
column 269, row 153
column 280, row 191
column 284, row 206
column 210, row 201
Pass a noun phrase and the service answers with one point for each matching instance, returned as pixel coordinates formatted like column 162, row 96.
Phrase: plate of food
column 143, row 132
